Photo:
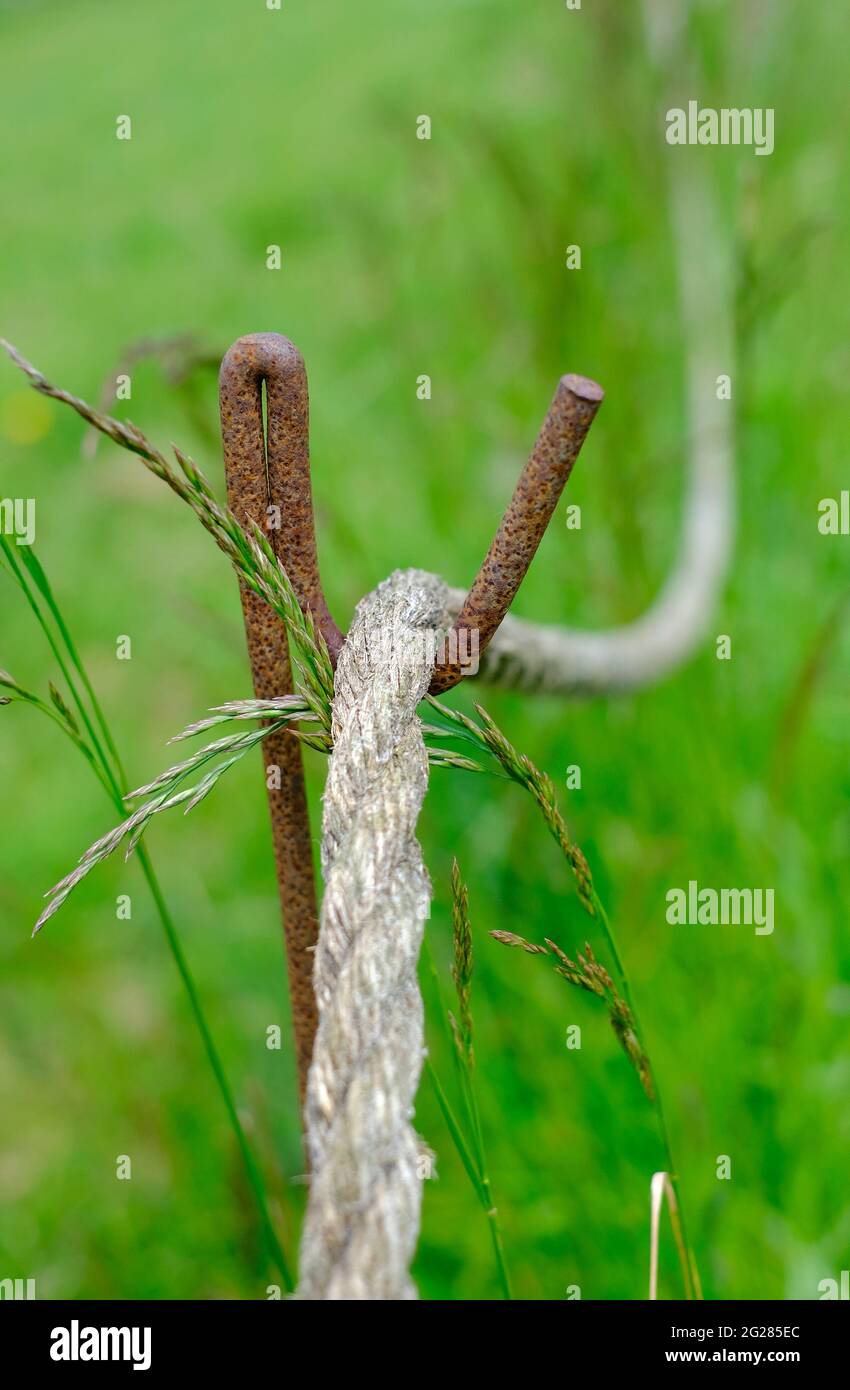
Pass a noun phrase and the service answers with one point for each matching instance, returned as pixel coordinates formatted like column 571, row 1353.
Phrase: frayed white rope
column 362, row 1217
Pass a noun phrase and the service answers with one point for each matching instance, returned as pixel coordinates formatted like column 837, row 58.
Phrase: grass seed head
column 509, row 938
column 463, row 961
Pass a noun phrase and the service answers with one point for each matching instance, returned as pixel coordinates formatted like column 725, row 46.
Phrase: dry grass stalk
column 659, row 1188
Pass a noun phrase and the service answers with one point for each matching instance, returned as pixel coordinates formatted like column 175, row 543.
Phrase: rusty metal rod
column 537, row 493
column 268, row 481
column 572, row 412
column 262, row 477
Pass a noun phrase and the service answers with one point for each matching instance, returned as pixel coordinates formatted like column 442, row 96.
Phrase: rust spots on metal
column 535, row 498
column 269, row 483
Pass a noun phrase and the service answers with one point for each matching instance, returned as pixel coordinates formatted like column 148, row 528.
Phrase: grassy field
column 402, row 257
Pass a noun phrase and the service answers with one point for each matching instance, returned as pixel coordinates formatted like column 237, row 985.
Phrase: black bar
column 56, row 1338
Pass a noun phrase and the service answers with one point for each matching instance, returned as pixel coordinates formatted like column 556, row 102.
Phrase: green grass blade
column 109, row 778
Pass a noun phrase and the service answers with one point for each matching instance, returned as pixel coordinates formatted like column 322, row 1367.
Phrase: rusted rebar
column 268, row 482
column 535, row 498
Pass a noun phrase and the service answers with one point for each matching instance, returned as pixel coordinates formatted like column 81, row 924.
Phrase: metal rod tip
column 583, row 387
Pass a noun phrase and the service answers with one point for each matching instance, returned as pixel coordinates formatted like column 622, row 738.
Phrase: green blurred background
column 403, row 257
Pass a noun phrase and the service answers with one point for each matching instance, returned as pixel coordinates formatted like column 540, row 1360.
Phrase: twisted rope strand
column 362, row 1218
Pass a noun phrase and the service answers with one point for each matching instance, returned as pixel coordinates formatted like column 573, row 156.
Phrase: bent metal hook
column 257, row 478
column 285, row 480
column 271, row 469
